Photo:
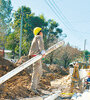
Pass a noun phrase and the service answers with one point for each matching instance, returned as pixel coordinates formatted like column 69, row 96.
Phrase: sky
column 73, row 17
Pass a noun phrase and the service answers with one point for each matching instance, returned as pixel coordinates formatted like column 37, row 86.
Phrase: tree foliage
column 63, row 56
column 51, row 32
column 5, row 15
column 5, row 19
column 30, row 21
column 69, row 54
column 86, row 54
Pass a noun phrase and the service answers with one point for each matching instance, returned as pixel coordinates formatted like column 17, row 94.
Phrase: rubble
column 62, row 84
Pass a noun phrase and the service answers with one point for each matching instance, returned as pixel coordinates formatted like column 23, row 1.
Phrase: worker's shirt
column 37, row 45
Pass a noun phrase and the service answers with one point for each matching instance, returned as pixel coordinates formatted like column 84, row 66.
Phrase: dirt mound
column 19, row 85
column 5, row 66
column 15, row 87
column 4, row 62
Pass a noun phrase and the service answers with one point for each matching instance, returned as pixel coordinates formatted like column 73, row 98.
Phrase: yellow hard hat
column 36, row 30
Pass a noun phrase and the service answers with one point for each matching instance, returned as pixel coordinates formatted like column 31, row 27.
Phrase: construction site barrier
column 29, row 62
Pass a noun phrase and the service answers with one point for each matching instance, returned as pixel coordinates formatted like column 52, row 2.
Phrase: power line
column 51, row 7
column 63, row 17
column 61, row 14
column 55, row 12
column 61, row 20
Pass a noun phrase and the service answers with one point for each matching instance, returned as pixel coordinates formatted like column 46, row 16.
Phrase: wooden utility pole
column 20, row 45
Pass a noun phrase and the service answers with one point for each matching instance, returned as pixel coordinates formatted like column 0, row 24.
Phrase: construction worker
column 37, row 47
column 75, row 76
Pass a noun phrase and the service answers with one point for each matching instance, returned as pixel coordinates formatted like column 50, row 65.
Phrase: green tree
column 16, row 31
column 30, row 21
column 5, row 15
column 5, row 19
column 51, row 37
column 51, row 33
column 86, row 53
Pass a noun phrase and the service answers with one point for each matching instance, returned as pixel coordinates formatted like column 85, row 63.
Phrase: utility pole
column 84, row 50
column 21, row 32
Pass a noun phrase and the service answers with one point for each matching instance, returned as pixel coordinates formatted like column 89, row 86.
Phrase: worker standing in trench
column 37, row 47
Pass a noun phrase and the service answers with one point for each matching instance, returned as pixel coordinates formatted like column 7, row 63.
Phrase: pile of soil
column 19, row 85
column 5, row 66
